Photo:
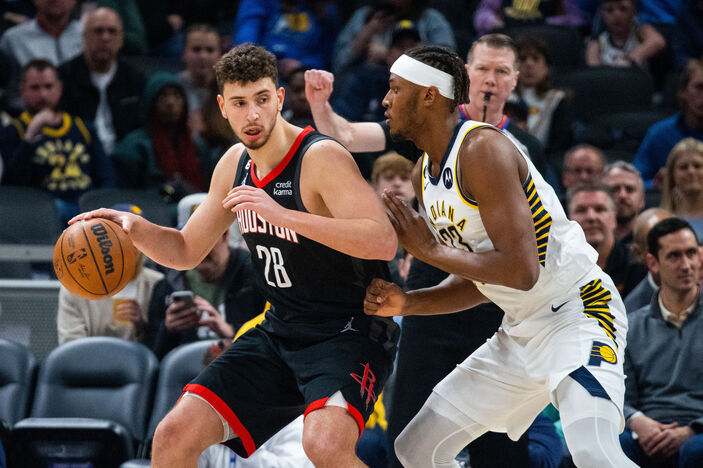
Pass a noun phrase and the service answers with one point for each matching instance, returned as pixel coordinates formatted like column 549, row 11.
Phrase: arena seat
column 17, row 373
column 91, row 405
column 565, row 43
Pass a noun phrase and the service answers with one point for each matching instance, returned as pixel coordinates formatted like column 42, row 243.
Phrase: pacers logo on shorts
column 602, row 352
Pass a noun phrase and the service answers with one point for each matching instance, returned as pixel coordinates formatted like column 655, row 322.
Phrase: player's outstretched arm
column 454, row 294
column 184, row 249
column 355, row 136
column 343, row 210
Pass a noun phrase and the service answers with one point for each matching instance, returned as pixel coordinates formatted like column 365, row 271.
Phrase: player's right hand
column 384, row 299
column 123, row 218
column 318, row 86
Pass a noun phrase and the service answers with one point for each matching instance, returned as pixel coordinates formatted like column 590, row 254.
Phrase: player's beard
column 409, row 127
column 265, row 135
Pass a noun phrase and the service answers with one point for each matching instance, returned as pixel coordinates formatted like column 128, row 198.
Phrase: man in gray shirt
column 664, row 396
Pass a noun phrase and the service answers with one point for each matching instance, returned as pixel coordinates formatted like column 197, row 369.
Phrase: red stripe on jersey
column 353, row 412
column 226, row 413
column 281, row 165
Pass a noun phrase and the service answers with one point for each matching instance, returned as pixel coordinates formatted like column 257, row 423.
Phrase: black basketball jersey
column 307, row 283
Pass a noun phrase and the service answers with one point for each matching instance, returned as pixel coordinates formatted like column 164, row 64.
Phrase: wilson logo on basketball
column 105, row 245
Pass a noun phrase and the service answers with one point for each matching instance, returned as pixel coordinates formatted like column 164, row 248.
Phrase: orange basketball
column 94, row 258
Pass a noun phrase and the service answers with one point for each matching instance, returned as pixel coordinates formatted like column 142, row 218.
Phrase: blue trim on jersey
column 435, row 180
column 584, row 377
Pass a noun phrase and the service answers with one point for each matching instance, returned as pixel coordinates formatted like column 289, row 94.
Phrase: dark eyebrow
column 263, row 91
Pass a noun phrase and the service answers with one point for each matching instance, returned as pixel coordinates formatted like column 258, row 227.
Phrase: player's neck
column 436, row 136
column 272, row 153
column 494, row 115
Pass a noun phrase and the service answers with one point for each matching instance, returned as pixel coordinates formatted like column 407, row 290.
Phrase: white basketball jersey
column 563, row 253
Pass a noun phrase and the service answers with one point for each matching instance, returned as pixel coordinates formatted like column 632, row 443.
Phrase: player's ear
column 281, row 93
column 430, row 95
column 652, row 263
column 221, row 103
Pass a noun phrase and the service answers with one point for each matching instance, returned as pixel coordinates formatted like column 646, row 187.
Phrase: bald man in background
column 641, row 295
column 99, row 86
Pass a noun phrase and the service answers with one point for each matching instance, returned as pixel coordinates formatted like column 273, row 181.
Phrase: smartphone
column 186, row 297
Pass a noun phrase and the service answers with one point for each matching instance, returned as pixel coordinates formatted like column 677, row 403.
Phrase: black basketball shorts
column 263, row 382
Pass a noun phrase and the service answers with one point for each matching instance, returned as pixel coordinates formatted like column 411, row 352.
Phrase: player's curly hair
column 449, row 62
column 245, row 63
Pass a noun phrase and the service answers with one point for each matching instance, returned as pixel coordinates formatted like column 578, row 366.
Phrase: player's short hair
column 664, row 227
column 580, row 146
column 589, row 187
column 494, row 41
column 203, row 28
column 390, row 162
column 449, row 62
column 245, row 63
column 38, row 64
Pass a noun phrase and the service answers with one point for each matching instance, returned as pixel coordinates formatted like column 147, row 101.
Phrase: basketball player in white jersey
column 499, row 229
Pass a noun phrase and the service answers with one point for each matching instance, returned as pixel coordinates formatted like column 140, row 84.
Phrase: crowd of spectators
column 103, row 93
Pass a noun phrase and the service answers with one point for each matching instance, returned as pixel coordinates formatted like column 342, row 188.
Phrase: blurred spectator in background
column 297, row 109
column 299, row 33
column 663, row 403
column 493, row 15
column 652, row 154
column 682, row 193
column 492, row 66
column 391, row 171
column 164, row 27
column 641, row 295
column 98, row 86
column 687, row 40
column 14, row 12
column 212, row 129
column 123, row 316
column 225, row 296
column 592, row 206
column 134, row 32
column 549, row 117
column 162, row 154
column 627, row 188
column 51, row 35
column 367, row 34
column 50, row 149
column 582, row 164
column 367, row 83
column 624, row 42
column 202, row 49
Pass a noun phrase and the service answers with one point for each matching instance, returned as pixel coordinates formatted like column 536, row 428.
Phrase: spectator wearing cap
column 123, row 316
column 366, row 84
column 224, row 294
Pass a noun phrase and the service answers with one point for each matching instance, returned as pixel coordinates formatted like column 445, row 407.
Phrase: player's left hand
column 412, row 230
column 245, row 197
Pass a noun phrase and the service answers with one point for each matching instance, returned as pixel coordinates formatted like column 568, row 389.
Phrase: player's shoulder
column 232, row 156
column 326, row 148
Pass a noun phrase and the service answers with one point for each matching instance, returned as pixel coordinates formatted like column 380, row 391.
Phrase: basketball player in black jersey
column 318, row 235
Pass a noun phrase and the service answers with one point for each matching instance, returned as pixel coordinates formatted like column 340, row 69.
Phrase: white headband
column 424, row 75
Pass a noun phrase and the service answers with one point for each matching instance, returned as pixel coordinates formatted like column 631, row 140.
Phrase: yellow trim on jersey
column 61, row 131
column 81, row 126
column 595, row 305
column 471, row 203
column 541, row 219
column 252, row 322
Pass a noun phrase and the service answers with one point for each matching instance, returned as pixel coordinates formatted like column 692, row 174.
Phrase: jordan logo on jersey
column 251, row 222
